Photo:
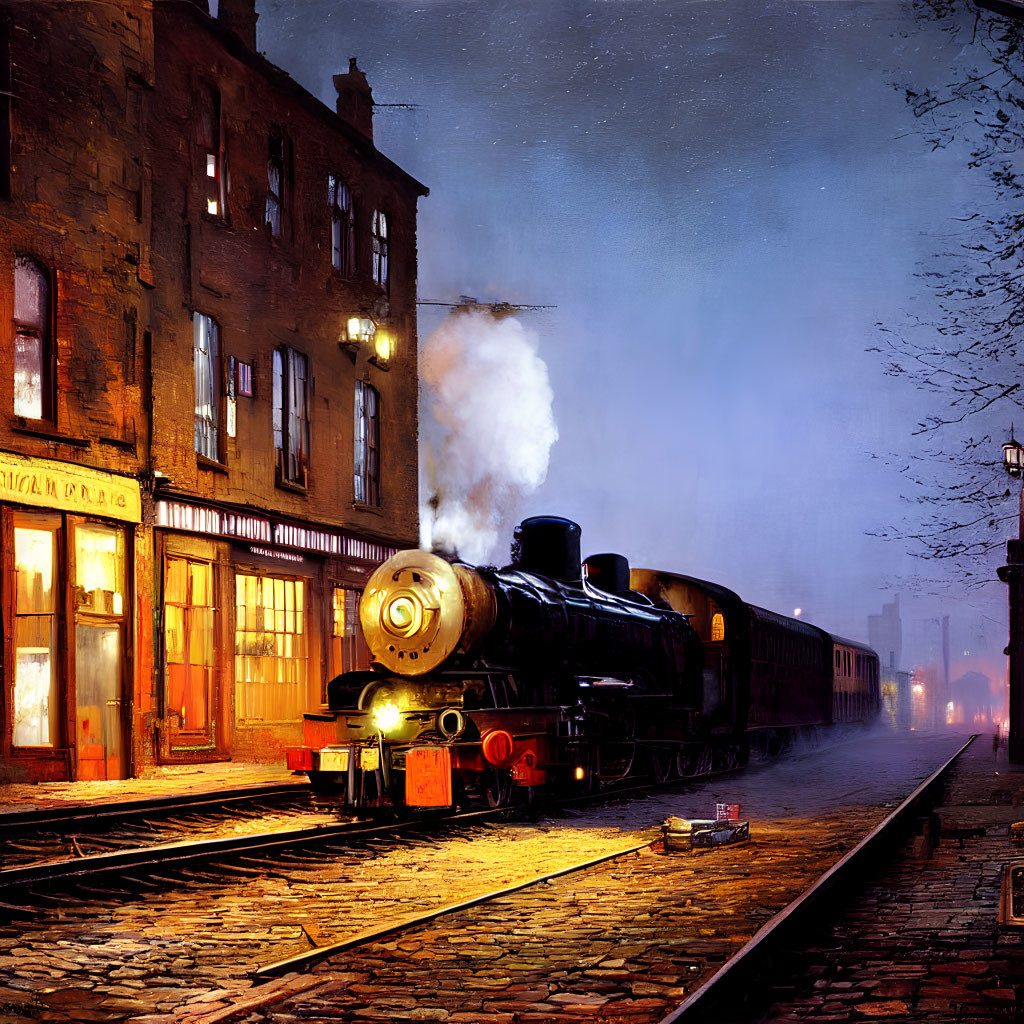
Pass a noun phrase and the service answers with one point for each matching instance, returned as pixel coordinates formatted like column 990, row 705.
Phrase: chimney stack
column 355, row 99
column 239, row 16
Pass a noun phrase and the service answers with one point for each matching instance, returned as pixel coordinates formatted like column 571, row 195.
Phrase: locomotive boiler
column 486, row 681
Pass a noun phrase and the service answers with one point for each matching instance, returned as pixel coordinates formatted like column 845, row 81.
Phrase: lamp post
column 1013, row 575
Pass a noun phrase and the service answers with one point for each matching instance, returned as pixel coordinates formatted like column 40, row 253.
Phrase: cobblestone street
column 623, row 941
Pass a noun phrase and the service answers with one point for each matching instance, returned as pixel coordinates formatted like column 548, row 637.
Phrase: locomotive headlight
column 386, row 716
column 403, row 615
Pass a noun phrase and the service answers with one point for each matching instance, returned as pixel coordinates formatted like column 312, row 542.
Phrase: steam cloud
column 489, row 394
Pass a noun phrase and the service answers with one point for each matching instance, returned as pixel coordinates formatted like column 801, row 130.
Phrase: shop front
column 257, row 614
column 67, row 541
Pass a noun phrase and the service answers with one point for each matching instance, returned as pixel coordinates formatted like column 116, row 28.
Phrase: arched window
column 33, row 341
column 717, row 627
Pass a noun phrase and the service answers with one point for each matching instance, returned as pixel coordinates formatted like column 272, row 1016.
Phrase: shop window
column 211, row 143
column 33, row 341
column 380, row 248
column 270, row 649
column 343, row 234
column 100, row 605
column 717, row 627
column 205, row 339
column 366, row 460
column 291, row 416
column 6, row 95
column 189, row 652
column 275, row 185
column 35, row 634
column 349, row 652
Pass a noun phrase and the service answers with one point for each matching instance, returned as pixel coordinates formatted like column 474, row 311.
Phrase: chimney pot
column 240, row 17
column 355, row 99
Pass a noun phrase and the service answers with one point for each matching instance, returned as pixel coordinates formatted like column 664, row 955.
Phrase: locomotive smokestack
column 608, row 572
column 548, row 546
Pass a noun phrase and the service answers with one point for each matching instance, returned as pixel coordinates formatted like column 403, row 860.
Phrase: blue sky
column 721, row 199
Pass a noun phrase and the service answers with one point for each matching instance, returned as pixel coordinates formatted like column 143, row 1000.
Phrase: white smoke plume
column 488, row 391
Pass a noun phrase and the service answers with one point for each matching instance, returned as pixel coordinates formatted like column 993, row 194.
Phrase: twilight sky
column 722, row 199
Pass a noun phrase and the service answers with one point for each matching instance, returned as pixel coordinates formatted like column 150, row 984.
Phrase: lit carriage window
column 270, row 649
column 275, row 185
column 33, row 342
column 366, row 457
column 35, row 636
column 291, row 416
column 717, row 627
column 381, row 231
column 339, row 202
column 204, row 338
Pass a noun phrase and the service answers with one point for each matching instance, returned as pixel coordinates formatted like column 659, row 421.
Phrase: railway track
column 545, row 919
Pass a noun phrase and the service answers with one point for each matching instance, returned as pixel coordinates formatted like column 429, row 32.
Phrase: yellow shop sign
column 60, row 485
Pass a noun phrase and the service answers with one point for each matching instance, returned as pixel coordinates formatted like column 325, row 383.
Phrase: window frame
column 291, row 461
column 273, row 213
column 343, row 225
column 212, row 422
column 366, row 461
column 212, row 146
column 44, row 334
column 380, row 230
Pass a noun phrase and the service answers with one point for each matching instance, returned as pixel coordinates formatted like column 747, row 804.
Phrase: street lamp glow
column 1013, row 457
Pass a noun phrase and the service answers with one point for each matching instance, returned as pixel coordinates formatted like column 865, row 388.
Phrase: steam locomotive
column 560, row 674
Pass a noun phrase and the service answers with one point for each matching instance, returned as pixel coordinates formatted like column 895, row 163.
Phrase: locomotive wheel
column 695, row 760
column 498, row 787
column 663, row 763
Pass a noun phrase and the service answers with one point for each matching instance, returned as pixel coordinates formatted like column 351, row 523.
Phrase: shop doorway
column 99, row 628
column 190, row 698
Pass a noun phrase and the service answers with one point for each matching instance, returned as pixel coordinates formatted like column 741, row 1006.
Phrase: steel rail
column 17, row 821
column 698, row 1006
column 309, row 956
column 171, row 854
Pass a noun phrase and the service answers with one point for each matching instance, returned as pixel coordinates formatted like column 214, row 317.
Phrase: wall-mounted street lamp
column 383, row 348
column 359, row 331
column 1013, row 575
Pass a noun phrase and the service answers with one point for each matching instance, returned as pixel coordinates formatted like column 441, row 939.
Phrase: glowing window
column 211, row 147
column 270, row 649
column 348, row 648
column 35, row 636
column 717, row 627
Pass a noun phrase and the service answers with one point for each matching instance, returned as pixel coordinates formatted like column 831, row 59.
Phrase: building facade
column 211, row 435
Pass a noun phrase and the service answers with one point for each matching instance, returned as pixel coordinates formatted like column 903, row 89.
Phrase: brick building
column 211, row 433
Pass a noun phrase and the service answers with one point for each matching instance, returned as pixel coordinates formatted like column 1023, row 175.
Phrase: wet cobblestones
column 922, row 942
column 622, row 942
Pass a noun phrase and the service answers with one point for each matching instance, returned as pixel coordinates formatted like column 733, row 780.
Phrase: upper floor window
column 211, row 141
column 6, row 94
column 343, row 225
column 275, row 184
column 366, row 461
column 291, row 416
column 204, row 346
column 33, row 342
column 380, row 248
